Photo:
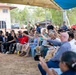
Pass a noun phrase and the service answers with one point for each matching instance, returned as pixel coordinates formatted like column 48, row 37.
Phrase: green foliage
column 20, row 16
column 15, row 14
column 72, row 15
column 57, row 17
column 37, row 14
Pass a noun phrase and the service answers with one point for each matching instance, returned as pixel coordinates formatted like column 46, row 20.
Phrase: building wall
column 5, row 17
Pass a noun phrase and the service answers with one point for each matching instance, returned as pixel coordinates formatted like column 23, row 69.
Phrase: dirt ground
column 16, row 65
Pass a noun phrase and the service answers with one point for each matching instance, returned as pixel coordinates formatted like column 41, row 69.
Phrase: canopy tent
column 41, row 3
column 66, row 4
column 55, row 4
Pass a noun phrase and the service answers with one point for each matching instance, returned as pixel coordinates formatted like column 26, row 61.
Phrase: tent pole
column 46, row 17
column 65, row 18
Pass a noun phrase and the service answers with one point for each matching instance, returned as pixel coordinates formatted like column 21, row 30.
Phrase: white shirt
column 57, row 39
column 73, row 45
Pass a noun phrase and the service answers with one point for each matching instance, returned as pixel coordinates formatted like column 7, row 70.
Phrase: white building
column 5, row 19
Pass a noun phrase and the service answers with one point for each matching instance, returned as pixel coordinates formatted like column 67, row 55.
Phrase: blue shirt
column 69, row 72
column 20, row 36
column 35, row 43
column 38, row 29
column 54, row 42
column 64, row 27
column 1, row 38
column 65, row 46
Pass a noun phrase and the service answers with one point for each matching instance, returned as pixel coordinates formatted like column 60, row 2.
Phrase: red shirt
column 23, row 40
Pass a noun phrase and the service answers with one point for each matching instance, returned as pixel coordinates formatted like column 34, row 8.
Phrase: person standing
column 50, row 27
column 38, row 28
column 29, row 26
column 64, row 26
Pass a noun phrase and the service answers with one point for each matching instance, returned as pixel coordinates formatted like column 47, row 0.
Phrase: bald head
column 64, row 36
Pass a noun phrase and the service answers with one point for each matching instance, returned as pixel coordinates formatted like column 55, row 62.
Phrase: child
column 67, row 64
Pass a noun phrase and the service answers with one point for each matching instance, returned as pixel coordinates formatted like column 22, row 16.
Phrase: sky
column 22, row 6
column 19, row 6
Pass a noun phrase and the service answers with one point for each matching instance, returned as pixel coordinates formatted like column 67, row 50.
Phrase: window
column 2, row 24
column 5, row 10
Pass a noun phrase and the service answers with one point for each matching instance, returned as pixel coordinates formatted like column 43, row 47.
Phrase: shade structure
column 55, row 4
column 66, row 4
column 41, row 3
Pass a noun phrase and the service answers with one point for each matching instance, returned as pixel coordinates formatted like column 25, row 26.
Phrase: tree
column 39, row 14
column 72, row 15
column 57, row 16
column 23, row 15
column 49, row 14
column 20, row 16
column 15, row 14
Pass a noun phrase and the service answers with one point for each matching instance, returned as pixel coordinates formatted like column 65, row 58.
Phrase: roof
column 7, row 6
column 41, row 3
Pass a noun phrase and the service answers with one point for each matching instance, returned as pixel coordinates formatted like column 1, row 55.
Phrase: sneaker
column 7, row 52
column 18, row 52
column 23, row 54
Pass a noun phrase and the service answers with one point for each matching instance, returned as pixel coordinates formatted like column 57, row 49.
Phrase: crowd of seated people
column 47, row 42
column 66, row 43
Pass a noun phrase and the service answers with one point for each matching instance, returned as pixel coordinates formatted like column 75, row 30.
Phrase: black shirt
column 50, row 27
column 69, row 72
column 1, row 38
column 10, row 38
